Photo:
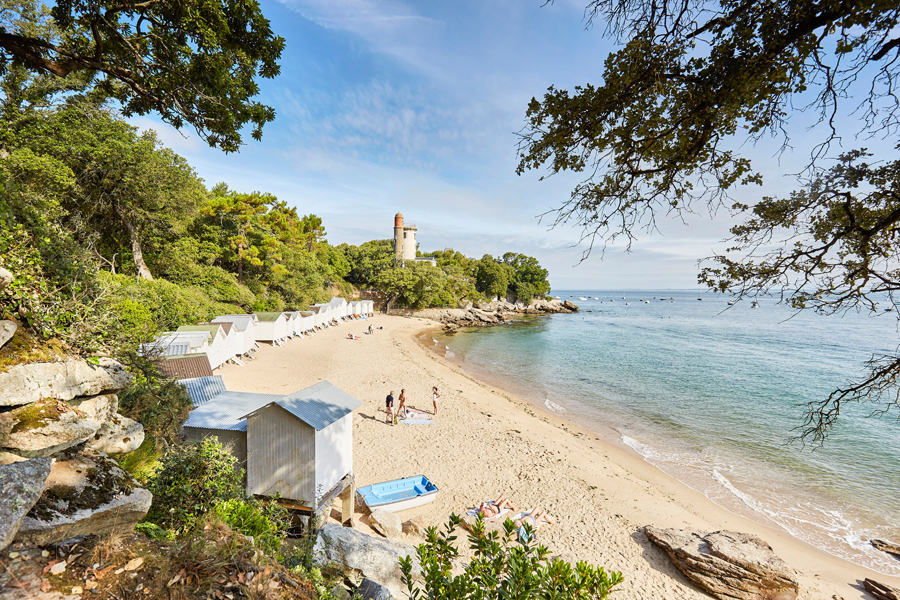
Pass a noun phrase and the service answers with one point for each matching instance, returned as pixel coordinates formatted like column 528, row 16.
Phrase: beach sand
column 486, row 442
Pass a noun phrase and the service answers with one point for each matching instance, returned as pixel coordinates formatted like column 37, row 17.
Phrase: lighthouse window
column 404, row 235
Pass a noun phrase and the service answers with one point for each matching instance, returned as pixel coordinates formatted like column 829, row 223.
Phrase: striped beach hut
column 273, row 327
column 245, row 327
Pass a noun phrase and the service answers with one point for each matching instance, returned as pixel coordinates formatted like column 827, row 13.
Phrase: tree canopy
column 195, row 63
column 691, row 82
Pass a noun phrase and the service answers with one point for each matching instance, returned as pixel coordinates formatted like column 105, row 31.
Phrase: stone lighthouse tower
column 404, row 240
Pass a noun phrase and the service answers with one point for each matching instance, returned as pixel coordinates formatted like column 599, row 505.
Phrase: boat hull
column 397, row 495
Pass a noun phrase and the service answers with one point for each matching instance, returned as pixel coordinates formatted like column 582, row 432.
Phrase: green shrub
column 161, row 405
column 154, row 531
column 191, row 481
column 143, row 462
column 501, row 568
column 265, row 522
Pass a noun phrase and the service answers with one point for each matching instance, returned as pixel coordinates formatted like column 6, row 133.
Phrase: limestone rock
column 372, row 590
column 24, row 384
column 98, row 409
column 386, row 523
column 7, row 330
column 415, row 527
column 364, row 555
column 85, row 494
column 6, row 278
column 889, row 547
column 881, row 591
column 728, row 564
column 21, row 484
column 44, row 428
column 118, row 435
column 571, row 306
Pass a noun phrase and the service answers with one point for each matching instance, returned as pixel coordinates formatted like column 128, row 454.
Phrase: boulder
column 21, row 484
column 881, row 591
column 117, row 436
column 386, row 523
column 44, row 428
column 415, row 527
column 728, row 564
column 372, row 590
column 98, row 409
column 85, row 493
column 571, row 306
column 889, row 547
column 24, row 384
column 364, row 556
column 7, row 330
column 6, row 278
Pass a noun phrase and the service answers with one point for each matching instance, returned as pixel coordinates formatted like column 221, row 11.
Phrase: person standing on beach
column 434, row 397
column 401, row 408
column 389, row 408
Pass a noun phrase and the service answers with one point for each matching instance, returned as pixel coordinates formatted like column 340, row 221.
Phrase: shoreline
column 487, row 441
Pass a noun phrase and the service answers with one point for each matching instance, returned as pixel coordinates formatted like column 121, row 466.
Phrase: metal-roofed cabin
column 246, row 327
column 217, row 351
column 273, row 327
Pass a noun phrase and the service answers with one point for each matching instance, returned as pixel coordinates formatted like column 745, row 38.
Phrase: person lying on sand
column 535, row 517
column 492, row 508
column 350, row 336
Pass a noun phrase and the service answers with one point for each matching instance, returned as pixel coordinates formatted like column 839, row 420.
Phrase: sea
column 712, row 394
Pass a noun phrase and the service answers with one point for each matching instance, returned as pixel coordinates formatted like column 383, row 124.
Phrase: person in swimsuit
column 535, row 518
column 389, row 408
column 492, row 508
column 401, row 408
column 434, row 397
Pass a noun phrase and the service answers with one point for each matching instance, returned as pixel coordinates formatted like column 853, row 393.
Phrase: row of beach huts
column 296, row 447
column 234, row 338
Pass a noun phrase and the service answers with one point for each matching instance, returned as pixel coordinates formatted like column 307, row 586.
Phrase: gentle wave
column 553, row 406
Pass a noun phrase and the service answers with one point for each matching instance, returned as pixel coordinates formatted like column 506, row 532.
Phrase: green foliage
column 191, row 481
column 368, row 260
column 266, row 522
column 161, row 405
column 192, row 62
column 143, row 462
column 492, row 277
column 501, row 568
column 154, row 531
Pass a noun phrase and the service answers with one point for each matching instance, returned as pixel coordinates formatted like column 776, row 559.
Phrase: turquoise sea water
column 709, row 393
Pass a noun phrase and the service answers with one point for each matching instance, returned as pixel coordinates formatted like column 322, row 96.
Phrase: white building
column 405, row 244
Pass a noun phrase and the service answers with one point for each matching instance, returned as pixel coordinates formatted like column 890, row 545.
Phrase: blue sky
column 391, row 105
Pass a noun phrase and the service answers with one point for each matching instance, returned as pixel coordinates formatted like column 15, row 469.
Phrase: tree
column 529, row 279
column 192, row 62
column 242, row 210
column 368, row 260
column 691, row 81
column 492, row 278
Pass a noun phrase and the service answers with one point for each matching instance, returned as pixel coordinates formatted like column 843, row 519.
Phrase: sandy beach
column 486, row 441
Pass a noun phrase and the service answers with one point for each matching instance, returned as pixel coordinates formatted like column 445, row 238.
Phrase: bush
column 191, row 481
column 161, row 405
column 501, row 569
column 265, row 522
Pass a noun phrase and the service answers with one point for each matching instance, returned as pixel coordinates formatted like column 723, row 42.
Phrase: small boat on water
column 399, row 494
column 754, row 304
column 731, row 303
column 582, row 298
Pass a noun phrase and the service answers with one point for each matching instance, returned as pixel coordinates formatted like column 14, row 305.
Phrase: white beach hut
column 234, row 341
column 368, row 307
column 323, row 314
column 273, row 327
column 340, row 306
column 170, row 343
column 247, row 327
column 217, row 346
column 307, row 321
column 293, row 322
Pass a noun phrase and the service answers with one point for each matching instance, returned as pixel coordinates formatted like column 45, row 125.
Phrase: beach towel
column 523, row 535
column 474, row 513
column 417, row 421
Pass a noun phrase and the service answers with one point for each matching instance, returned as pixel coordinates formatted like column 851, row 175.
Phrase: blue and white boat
column 399, row 494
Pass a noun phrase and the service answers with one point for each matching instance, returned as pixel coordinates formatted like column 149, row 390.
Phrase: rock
column 372, row 590
column 415, row 527
column 881, row 591
column 21, row 484
column 386, row 523
column 889, row 547
column 7, row 330
column 98, row 409
column 44, row 428
column 728, row 564
column 24, row 384
column 6, row 278
column 364, row 555
column 571, row 306
column 84, row 494
column 117, row 436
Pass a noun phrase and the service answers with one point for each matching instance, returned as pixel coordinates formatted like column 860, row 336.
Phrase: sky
column 387, row 106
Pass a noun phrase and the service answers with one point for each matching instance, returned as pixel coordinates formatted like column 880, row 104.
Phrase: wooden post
column 347, row 503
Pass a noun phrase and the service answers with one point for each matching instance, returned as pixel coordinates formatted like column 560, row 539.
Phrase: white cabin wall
column 334, row 453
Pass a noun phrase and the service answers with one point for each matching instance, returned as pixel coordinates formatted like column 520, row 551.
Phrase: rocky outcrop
column 728, row 564
column 24, row 384
column 364, row 556
column 117, row 436
column 889, row 547
column 372, row 590
column 881, row 591
column 7, row 330
column 84, row 493
column 44, row 428
column 386, row 523
column 486, row 314
column 21, row 484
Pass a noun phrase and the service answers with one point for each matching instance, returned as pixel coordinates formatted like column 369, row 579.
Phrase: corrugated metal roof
column 268, row 316
column 203, row 389
column 227, row 410
column 319, row 405
column 185, row 366
column 240, row 321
